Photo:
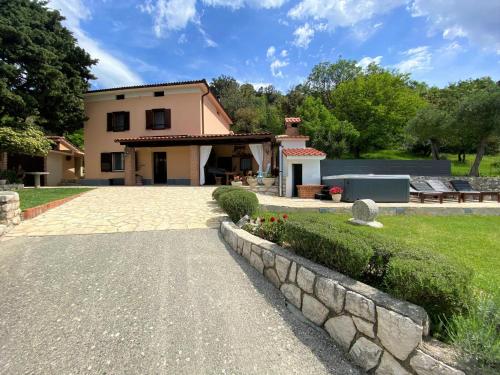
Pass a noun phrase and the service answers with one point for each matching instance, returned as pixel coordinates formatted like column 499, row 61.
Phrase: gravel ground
column 175, row 301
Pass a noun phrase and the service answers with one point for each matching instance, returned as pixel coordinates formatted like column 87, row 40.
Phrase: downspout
column 280, row 179
column 203, row 109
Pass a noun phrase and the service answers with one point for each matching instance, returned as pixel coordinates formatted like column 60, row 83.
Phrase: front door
column 160, row 167
column 296, row 178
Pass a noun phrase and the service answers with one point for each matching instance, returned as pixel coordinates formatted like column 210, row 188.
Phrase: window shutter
column 109, row 127
column 168, row 119
column 136, row 161
column 106, row 162
column 149, row 119
column 127, row 121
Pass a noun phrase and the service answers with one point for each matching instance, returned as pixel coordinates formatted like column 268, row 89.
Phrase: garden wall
column 10, row 214
column 382, row 335
column 478, row 183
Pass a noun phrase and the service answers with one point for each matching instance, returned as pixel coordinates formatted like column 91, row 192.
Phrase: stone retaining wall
column 9, row 187
column 478, row 183
column 10, row 214
column 382, row 335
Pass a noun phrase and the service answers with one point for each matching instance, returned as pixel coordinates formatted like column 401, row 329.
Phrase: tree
column 26, row 139
column 379, row 104
column 478, row 118
column 326, row 132
column 431, row 125
column 43, row 74
column 326, row 76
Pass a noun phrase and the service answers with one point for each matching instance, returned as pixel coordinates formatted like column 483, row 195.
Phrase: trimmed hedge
column 417, row 275
column 218, row 192
column 238, row 203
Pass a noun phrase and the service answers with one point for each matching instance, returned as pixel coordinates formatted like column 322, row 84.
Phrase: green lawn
column 35, row 197
column 471, row 240
column 487, row 167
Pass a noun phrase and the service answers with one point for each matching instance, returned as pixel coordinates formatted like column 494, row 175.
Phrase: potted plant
column 268, row 180
column 251, row 180
column 237, row 181
column 336, row 193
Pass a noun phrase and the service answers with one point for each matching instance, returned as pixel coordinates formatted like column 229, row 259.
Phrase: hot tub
column 380, row 188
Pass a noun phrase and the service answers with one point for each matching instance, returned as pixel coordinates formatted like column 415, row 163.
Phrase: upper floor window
column 120, row 96
column 118, row 121
column 159, row 93
column 157, row 119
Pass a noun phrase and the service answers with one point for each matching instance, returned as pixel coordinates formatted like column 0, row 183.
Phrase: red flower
column 273, row 219
column 336, row 190
column 285, row 216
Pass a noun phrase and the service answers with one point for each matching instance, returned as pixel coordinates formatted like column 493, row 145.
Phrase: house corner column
column 266, row 160
column 194, row 165
column 129, row 166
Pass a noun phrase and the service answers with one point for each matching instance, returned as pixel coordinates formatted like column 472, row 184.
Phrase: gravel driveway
column 150, row 302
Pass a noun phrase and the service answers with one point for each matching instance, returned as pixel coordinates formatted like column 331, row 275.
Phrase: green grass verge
column 470, row 240
column 35, row 197
column 487, row 168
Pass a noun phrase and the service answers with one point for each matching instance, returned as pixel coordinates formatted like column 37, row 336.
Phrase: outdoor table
column 37, row 175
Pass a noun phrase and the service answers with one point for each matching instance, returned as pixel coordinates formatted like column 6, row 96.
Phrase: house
column 64, row 163
column 174, row 133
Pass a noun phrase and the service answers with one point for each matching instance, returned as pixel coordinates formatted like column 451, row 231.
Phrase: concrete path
column 149, row 302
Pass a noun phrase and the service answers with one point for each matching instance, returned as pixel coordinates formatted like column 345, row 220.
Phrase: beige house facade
column 172, row 133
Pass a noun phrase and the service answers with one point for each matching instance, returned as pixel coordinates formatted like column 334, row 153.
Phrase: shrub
column 476, row 335
column 272, row 229
column 238, row 203
column 218, row 192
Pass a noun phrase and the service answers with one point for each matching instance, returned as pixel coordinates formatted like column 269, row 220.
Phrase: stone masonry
column 10, row 214
column 382, row 335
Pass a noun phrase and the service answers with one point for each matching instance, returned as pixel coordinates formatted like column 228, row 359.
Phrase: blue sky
column 279, row 41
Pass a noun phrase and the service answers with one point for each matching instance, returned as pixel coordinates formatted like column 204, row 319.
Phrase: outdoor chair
column 440, row 186
column 422, row 191
column 465, row 189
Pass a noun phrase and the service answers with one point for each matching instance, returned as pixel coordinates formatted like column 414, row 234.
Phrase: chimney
column 292, row 126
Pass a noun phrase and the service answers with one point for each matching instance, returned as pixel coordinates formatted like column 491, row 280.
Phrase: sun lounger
column 465, row 189
column 422, row 190
column 440, row 186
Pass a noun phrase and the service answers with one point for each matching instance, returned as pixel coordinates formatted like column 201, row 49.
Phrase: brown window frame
column 150, row 118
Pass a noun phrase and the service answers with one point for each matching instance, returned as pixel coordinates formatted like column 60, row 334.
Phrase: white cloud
column 169, row 15
column 365, row 61
column 270, row 52
column 276, row 66
column 284, row 53
column 416, row 59
column 109, row 70
column 303, row 35
column 237, row 4
column 479, row 20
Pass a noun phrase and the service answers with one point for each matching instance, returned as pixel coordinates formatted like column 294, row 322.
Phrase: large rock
column 399, row 334
column 282, row 265
column 314, row 310
column 361, row 306
column 365, row 353
column 256, row 262
column 365, row 210
column 292, row 275
column 424, row 364
column 268, row 258
column 305, row 279
column 342, row 330
column 366, row 328
column 292, row 293
column 272, row 276
column 389, row 366
column 331, row 294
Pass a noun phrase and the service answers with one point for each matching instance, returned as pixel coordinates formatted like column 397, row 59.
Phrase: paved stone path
column 146, row 302
column 125, row 209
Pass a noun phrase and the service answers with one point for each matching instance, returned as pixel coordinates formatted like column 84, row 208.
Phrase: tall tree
column 478, row 117
column 43, row 72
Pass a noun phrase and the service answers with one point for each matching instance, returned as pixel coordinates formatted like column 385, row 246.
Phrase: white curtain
column 204, row 154
column 258, row 154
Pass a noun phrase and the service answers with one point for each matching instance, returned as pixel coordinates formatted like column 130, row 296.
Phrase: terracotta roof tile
column 188, row 136
column 285, row 136
column 291, row 120
column 308, row 151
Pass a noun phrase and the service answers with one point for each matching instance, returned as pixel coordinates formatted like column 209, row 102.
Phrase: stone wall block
column 342, row 330
column 292, row 276
column 390, row 366
column 397, row 333
column 424, row 364
column 314, row 310
column 247, row 250
column 268, row 258
column 361, row 306
column 366, row 328
column 365, row 353
column 282, row 265
column 305, row 279
column 331, row 294
column 293, row 294
column 272, row 276
column 256, row 249
column 256, row 262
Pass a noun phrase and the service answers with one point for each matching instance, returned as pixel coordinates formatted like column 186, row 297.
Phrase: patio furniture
column 465, row 189
column 423, row 191
column 440, row 186
column 37, row 175
column 229, row 175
